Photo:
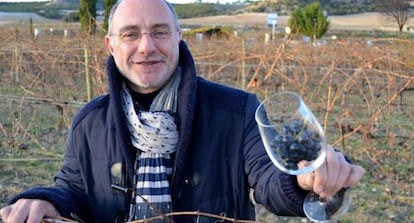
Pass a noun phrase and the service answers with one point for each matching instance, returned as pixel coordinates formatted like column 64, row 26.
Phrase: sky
column 23, row 0
column 172, row 1
column 205, row 1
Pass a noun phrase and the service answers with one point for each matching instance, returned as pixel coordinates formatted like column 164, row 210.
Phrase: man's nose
column 146, row 44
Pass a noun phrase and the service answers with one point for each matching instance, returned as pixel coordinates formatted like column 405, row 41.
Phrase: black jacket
column 219, row 156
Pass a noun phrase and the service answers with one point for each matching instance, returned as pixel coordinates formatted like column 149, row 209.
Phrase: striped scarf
column 155, row 135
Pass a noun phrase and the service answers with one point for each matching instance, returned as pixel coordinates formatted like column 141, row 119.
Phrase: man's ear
column 180, row 34
column 109, row 44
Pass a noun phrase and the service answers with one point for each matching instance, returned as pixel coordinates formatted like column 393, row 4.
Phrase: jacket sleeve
column 64, row 200
column 276, row 191
column 68, row 195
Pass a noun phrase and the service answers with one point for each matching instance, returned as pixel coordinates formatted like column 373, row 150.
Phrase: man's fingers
column 37, row 212
column 356, row 174
column 19, row 211
column 334, row 168
column 40, row 209
column 333, row 175
column 328, row 170
column 338, row 174
column 4, row 213
column 28, row 210
column 305, row 180
column 321, row 175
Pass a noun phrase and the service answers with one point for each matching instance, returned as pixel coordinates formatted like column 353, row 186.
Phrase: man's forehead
column 143, row 7
column 142, row 13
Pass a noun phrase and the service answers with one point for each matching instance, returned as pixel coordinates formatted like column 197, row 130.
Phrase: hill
column 57, row 8
column 221, row 14
column 332, row 7
column 369, row 21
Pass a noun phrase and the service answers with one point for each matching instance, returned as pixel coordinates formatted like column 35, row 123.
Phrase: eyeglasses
column 130, row 37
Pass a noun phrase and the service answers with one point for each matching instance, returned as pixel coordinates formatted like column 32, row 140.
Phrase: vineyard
column 361, row 91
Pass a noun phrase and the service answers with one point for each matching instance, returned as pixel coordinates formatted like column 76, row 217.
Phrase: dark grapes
column 296, row 143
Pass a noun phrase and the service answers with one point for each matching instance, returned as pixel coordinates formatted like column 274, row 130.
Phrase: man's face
column 146, row 60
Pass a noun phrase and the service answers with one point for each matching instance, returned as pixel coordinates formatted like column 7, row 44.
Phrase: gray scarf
column 155, row 135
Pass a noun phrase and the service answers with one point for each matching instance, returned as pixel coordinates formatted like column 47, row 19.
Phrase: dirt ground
column 381, row 201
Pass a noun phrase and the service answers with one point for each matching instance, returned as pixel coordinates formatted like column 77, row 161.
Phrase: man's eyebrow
column 136, row 27
column 128, row 28
column 161, row 25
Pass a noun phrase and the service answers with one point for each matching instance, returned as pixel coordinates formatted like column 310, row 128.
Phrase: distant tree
column 107, row 6
column 192, row 10
column 87, row 15
column 397, row 9
column 310, row 21
column 72, row 17
column 290, row 5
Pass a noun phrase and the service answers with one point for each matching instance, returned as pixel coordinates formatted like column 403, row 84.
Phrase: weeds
column 363, row 95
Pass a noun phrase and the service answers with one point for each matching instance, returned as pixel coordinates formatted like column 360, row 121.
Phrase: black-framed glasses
column 132, row 36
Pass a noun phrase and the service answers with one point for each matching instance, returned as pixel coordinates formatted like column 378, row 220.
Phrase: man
column 165, row 140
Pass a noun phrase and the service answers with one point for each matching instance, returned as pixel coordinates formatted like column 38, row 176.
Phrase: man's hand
column 28, row 210
column 333, row 175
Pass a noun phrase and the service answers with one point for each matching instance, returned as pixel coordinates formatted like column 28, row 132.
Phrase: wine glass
column 296, row 144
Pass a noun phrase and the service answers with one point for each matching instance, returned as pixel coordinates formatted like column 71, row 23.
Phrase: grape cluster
column 296, row 143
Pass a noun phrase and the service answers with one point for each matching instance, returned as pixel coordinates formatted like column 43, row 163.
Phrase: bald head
column 119, row 2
